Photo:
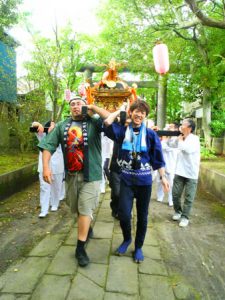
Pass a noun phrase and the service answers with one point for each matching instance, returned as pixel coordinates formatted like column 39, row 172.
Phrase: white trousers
column 102, row 184
column 63, row 190
column 50, row 194
column 160, row 192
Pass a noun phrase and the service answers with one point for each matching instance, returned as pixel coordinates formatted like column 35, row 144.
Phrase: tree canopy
column 9, row 14
column 193, row 31
column 196, row 50
column 55, row 64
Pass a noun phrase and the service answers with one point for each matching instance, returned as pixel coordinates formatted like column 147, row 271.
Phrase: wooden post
column 161, row 103
column 88, row 75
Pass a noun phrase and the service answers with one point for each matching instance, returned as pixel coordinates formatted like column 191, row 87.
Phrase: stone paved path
column 50, row 272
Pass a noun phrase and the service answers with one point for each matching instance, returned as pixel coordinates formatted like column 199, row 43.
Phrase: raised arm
column 40, row 130
column 111, row 118
column 103, row 113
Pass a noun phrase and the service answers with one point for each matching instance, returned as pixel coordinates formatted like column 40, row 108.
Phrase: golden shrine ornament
column 111, row 91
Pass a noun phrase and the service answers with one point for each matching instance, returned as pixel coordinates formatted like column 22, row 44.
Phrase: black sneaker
column 82, row 258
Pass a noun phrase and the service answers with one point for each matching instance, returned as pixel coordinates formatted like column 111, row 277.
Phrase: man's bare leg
column 84, row 223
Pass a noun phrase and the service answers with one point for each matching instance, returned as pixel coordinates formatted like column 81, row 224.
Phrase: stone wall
column 15, row 181
column 213, row 182
column 218, row 145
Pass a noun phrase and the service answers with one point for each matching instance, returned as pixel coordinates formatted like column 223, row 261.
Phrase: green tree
column 28, row 108
column 209, row 14
column 9, row 15
column 55, row 64
column 133, row 27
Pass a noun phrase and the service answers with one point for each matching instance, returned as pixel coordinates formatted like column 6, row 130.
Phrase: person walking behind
column 114, row 181
column 80, row 138
column 187, row 171
column 170, row 157
column 106, row 144
column 50, row 195
column 139, row 149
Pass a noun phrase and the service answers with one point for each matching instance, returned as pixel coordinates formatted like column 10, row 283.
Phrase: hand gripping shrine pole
column 161, row 63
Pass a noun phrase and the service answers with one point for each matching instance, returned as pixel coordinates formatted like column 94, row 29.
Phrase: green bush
column 217, row 128
column 206, row 153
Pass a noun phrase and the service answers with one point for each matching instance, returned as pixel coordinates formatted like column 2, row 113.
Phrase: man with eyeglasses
column 186, row 171
column 80, row 139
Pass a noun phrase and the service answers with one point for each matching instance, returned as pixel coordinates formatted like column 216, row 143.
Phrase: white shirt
column 188, row 158
column 170, row 157
column 56, row 161
column 107, row 146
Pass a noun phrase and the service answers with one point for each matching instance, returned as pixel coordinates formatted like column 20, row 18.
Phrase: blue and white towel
column 133, row 142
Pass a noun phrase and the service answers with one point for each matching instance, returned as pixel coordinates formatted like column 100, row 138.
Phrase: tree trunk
column 59, row 114
column 54, row 112
column 161, row 103
column 206, row 103
column 206, row 119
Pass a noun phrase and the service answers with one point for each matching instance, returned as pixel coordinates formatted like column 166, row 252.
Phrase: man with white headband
column 80, row 139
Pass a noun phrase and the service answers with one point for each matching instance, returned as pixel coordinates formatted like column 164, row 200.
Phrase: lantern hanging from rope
column 161, row 58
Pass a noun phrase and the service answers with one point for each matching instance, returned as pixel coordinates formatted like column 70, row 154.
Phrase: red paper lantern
column 161, row 58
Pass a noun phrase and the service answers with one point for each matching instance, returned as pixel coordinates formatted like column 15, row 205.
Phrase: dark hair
column 78, row 98
column 47, row 124
column 176, row 125
column 191, row 124
column 140, row 105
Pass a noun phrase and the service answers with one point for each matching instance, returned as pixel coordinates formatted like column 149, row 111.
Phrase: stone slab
column 105, row 204
column 182, row 291
column 66, row 227
column 103, row 230
column 96, row 273
column 116, row 296
column 72, row 238
column 122, row 276
column 152, row 252
column 104, row 215
column 52, row 287
column 151, row 237
column 64, row 262
column 23, row 277
column 13, row 297
column 107, row 195
column 99, row 250
column 84, row 289
column 117, row 228
column 153, row 267
column 155, row 288
column 48, row 246
column 7, row 297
